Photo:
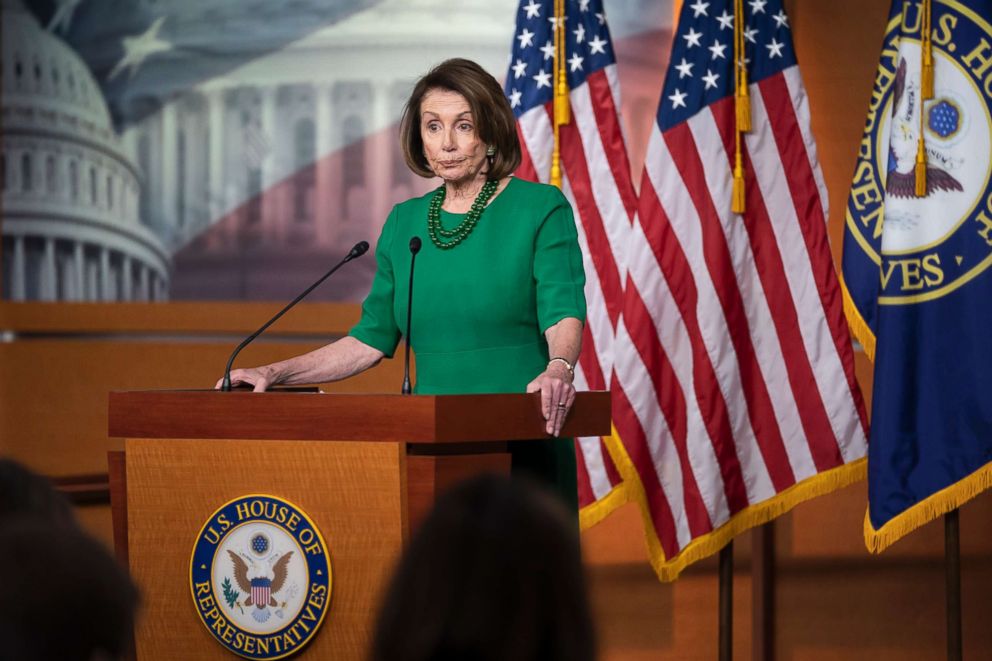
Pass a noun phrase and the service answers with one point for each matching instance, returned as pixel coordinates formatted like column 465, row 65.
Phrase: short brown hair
column 494, row 120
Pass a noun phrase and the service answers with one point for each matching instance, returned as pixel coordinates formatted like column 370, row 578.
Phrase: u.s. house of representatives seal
column 935, row 243
column 260, row 577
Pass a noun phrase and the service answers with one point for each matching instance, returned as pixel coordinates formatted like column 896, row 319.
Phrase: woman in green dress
column 498, row 300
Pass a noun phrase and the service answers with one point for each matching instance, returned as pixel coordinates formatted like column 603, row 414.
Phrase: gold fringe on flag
column 859, row 327
column 668, row 569
column 926, row 45
column 928, row 509
column 562, row 111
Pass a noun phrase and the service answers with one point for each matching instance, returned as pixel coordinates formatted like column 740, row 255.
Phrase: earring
column 491, row 151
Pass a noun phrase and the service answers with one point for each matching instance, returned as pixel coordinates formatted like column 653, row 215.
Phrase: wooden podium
column 365, row 468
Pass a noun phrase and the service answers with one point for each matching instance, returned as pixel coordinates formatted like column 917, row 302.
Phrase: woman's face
column 451, row 142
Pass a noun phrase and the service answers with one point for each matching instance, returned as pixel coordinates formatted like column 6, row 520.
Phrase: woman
column 499, row 302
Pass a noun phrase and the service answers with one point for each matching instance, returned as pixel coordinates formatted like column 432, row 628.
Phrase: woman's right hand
column 260, row 378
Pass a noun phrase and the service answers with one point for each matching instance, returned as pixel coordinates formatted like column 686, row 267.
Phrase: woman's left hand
column 557, row 395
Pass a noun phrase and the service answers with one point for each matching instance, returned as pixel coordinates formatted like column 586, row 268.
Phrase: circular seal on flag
column 260, row 577
column 928, row 241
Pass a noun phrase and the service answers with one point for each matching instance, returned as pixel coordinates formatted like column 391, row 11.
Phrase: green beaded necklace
column 447, row 239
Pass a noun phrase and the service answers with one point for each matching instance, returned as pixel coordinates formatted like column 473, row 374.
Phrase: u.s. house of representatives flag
column 916, row 265
column 595, row 178
column 734, row 387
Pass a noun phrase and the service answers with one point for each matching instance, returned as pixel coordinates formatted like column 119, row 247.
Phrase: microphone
column 415, row 244
column 360, row 249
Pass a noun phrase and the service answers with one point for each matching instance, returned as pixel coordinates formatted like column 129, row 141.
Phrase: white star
column 136, row 49
column 685, row 69
column 717, row 49
column 548, row 49
column 597, row 45
column 580, row 33
column 781, row 20
column 601, row 18
column 726, row 20
column 519, row 69
column 710, row 79
column 533, row 9
column 514, row 98
column 774, row 49
column 749, row 34
column 526, row 38
column 678, row 99
column 757, row 6
column 543, row 79
column 583, row 5
column 699, row 8
column 575, row 62
column 555, row 21
column 692, row 38
column 62, row 18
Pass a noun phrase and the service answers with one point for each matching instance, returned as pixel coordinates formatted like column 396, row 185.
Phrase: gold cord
column 926, row 92
column 742, row 105
column 562, row 111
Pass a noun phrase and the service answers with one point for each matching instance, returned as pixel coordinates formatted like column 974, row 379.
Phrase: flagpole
column 763, row 592
column 952, row 582
column 726, row 630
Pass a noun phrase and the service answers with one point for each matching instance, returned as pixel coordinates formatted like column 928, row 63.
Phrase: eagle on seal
column 279, row 571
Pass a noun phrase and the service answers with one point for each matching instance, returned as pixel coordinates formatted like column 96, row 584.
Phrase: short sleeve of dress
column 377, row 327
column 558, row 272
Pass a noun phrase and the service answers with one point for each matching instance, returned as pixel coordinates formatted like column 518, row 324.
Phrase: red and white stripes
column 734, row 371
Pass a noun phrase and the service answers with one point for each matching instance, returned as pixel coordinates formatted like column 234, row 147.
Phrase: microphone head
column 415, row 244
column 360, row 249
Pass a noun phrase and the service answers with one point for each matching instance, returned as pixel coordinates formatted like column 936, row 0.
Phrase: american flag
column 596, row 180
column 734, row 388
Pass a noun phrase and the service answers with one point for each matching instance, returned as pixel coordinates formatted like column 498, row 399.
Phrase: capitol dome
column 70, row 224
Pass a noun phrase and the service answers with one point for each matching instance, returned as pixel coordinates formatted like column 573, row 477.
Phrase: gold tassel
column 742, row 96
column 737, row 203
column 563, row 114
column 921, row 169
column 926, row 45
column 743, row 104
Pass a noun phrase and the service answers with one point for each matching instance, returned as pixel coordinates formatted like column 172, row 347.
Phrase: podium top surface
column 211, row 414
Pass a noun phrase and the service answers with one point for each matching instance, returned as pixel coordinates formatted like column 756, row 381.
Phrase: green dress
column 481, row 308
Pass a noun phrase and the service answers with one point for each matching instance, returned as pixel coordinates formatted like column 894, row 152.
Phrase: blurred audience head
column 23, row 493
column 493, row 574
column 65, row 597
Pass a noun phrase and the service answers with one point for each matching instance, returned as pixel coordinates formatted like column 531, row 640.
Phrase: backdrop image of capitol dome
column 193, row 150
column 72, row 228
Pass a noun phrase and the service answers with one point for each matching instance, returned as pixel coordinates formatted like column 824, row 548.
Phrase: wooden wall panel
column 53, row 392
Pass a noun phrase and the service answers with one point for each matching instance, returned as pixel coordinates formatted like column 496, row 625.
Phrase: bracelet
column 568, row 365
